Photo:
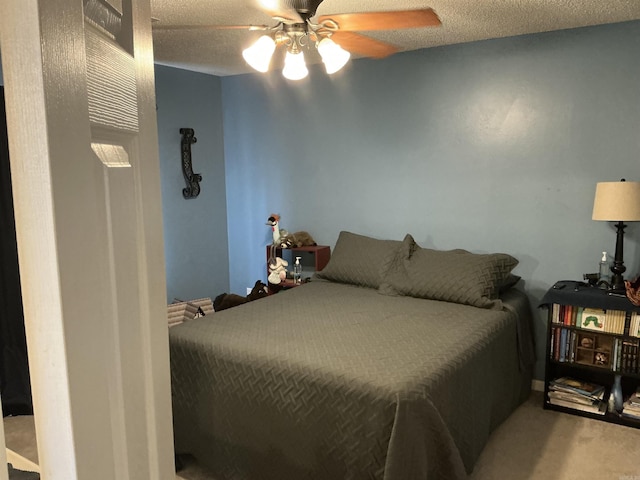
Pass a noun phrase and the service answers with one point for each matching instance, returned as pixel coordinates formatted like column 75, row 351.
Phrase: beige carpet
column 532, row 444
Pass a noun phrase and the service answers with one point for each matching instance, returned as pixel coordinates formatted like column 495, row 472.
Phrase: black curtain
column 15, row 387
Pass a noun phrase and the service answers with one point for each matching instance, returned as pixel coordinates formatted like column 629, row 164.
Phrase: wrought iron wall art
column 193, row 179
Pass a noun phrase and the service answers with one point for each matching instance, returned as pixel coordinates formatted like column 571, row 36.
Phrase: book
column 627, row 324
column 630, row 415
column 614, row 321
column 574, row 385
column 599, row 408
column 579, row 317
column 594, row 319
column 634, row 398
column 563, row 344
column 572, row 397
column 556, row 345
column 629, row 356
column 634, row 325
column 631, row 408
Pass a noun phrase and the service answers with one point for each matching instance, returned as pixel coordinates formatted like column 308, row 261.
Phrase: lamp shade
column 617, row 202
column 294, row 66
column 259, row 54
column 333, row 55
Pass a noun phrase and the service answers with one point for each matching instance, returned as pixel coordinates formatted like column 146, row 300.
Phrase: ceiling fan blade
column 369, row 47
column 209, row 27
column 383, row 20
column 278, row 10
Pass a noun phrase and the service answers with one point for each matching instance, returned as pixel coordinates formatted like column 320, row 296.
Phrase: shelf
column 590, row 354
column 313, row 259
column 607, row 417
column 593, row 368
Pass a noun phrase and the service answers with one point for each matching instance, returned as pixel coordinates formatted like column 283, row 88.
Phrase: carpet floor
column 531, row 444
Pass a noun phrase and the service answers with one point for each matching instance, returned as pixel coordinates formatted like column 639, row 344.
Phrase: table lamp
column 617, row 202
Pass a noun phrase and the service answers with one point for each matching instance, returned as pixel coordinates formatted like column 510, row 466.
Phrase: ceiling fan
column 334, row 35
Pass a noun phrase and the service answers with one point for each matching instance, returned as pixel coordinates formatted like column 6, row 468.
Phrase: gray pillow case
column 456, row 276
column 360, row 260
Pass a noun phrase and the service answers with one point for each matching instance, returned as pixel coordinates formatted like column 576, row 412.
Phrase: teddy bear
column 277, row 270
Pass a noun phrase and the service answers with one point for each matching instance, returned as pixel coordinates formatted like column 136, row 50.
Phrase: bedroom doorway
column 15, row 388
column 86, row 190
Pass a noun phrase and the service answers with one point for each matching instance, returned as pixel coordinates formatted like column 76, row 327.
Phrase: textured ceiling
column 218, row 52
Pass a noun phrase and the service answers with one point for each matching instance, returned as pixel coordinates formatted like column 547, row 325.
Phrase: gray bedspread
column 330, row 381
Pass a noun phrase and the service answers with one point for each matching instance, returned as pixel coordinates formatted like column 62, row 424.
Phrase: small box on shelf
column 312, row 259
column 593, row 349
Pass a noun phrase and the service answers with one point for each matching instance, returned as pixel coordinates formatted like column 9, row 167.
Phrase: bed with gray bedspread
column 333, row 381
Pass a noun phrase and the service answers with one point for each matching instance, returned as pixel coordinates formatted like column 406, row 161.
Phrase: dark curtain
column 15, row 387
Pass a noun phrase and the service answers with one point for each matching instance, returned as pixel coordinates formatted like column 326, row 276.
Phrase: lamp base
column 610, row 288
column 618, row 268
column 617, row 293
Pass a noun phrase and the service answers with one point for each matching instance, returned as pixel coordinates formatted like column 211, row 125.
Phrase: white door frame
column 89, row 239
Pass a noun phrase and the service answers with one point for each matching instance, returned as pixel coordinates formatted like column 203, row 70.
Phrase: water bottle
column 603, row 272
column 297, row 271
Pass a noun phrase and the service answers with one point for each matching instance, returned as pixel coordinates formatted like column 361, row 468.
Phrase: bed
column 358, row 374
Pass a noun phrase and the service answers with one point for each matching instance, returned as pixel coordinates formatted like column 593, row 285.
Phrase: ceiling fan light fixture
column 294, row 66
column 333, row 55
column 258, row 55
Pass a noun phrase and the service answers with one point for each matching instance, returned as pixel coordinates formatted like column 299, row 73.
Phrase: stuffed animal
column 278, row 233
column 633, row 291
column 277, row 270
column 297, row 239
column 228, row 300
column 284, row 239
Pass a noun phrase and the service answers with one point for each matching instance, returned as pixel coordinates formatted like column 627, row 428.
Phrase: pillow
column 456, row 276
column 509, row 282
column 360, row 260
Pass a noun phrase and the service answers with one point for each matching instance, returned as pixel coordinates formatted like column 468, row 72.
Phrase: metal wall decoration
column 193, row 179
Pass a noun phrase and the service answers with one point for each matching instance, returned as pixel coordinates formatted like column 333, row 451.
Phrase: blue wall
column 492, row 146
column 195, row 230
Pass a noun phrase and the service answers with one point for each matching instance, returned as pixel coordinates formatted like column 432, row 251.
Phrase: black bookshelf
column 590, row 354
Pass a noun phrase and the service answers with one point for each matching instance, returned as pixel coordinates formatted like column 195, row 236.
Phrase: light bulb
column 259, row 54
column 333, row 55
column 294, row 66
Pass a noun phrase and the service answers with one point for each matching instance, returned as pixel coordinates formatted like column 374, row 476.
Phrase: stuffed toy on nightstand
column 277, row 270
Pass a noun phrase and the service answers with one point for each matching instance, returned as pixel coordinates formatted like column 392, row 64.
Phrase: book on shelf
column 615, row 321
column 577, row 394
column 555, row 342
column 634, row 324
column 634, row 399
column 618, row 322
column 631, row 411
column 626, row 353
column 593, row 319
column 631, row 407
column 574, row 397
column 563, row 343
column 580, row 387
column 599, row 407
column 555, row 313
column 569, row 315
